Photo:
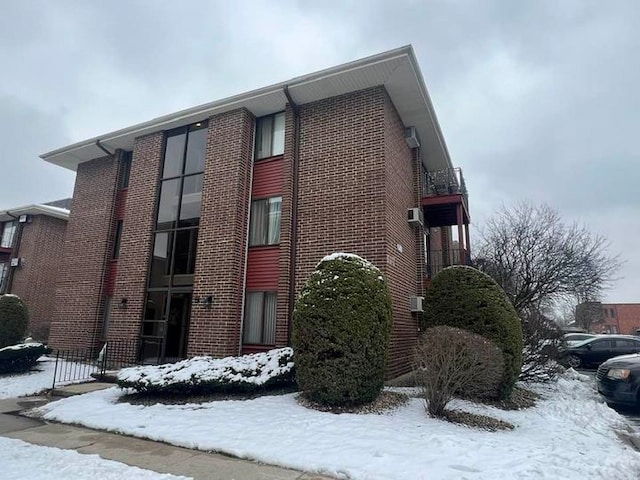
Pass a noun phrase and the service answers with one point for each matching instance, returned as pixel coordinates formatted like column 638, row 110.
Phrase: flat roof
column 397, row 70
column 34, row 209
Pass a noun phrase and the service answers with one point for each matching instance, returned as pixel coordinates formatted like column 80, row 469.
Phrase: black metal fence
column 74, row 366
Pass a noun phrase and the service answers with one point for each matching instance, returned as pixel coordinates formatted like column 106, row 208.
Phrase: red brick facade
column 79, row 290
column 356, row 179
column 621, row 318
column 41, row 245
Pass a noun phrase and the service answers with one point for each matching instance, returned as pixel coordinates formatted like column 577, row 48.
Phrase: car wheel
column 574, row 361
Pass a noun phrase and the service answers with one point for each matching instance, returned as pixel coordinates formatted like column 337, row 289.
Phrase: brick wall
column 78, row 300
column 41, row 246
column 137, row 237
column 220, row 261
column 625, row 317
column 402, row 241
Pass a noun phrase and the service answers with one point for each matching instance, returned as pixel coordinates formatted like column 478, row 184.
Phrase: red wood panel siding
column 267, row 178
column 110, row 281
column 121, row 204
column 262, row 268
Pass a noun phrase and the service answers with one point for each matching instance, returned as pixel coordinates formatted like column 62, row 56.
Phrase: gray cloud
column 537, row 100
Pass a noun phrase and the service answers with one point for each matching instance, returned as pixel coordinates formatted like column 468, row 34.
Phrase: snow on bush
column 200, row 375
column 21, row 357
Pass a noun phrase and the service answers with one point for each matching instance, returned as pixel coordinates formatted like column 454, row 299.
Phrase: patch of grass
column 473, row 420
column 384, row 402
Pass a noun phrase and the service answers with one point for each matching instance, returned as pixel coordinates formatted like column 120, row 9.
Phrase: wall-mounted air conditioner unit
column 23, row 218
column 15, row 262
column 411, row 136
column 415, row 216
column 416, row 304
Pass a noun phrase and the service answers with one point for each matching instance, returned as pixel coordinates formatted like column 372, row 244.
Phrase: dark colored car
column 594, row 351
column 618, row 380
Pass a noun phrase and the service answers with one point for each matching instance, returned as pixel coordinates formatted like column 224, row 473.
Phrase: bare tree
column 540, row 261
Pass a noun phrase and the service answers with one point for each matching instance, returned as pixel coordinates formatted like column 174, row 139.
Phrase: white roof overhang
column 396, row 70
column 34, row 209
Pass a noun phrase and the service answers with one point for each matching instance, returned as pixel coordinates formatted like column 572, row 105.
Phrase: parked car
column 571, row 339
column 594, row 351
column 618, row 380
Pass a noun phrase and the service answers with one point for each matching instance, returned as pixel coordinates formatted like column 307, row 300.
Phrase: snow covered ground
column 23, row 460
column 568, row 435
column 36, row 380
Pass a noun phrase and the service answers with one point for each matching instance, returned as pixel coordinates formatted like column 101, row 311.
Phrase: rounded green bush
column 466, row 298
column 14, row 320
column 341, row 328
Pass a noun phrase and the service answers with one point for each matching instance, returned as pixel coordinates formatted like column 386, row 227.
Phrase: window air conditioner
column 414, row 216
column 15, row 262
column 411, row 136
column 23, row 219
column 416, row 304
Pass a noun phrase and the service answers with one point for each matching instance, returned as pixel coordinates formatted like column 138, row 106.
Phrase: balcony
column 445, row 200
column 438, row 260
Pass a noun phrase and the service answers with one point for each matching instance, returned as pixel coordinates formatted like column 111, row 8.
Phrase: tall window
column 8, row 232
column 264, row 227
column 125, row 169
column 179, row 208
column 116, row 240
column 260, row 318
column 4, row 268
column 270, row 136
column 167, row 313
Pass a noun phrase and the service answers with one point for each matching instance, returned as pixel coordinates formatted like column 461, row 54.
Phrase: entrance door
column 165, row 326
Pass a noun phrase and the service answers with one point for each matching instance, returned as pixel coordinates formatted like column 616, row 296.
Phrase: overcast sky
column 537, row 100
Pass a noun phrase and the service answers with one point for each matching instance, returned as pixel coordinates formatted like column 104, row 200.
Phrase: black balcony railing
column 439, row 259
column 449, row 181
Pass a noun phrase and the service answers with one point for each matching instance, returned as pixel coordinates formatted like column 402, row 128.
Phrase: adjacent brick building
column 623, row 318
column 192, row 233
column 31, row 240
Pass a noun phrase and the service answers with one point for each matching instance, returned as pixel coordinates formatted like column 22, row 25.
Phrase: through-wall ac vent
column 15, row 262
column 411, row 136
column 415, row 216
column 416, row 304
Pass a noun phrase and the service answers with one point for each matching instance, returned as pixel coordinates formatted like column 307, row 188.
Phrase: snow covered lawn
column 23, row 460
column 35, row 381
column 568, row 435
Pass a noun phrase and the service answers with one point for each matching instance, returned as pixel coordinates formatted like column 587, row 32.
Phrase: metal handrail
column 448, row 181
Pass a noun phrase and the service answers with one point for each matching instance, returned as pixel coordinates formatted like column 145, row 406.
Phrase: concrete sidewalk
column 156, row 456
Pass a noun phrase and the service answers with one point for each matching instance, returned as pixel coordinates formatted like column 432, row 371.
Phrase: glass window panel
column 264, row 128
column 185, row 253
column 161, row 260
column 258, row 223
column 253, row 318
column 269, row 327
column 117, row 239
column 191, row 201
column 196, row 146
column 274, row 220
column 105, row 316
column 7, row 234
column 3, row 273
column 173, row 155
column 168, row 205
column 156, row 306
column 278, row 134
column 125, row 169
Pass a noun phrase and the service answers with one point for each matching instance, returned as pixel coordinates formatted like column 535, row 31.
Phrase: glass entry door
column 166, row 326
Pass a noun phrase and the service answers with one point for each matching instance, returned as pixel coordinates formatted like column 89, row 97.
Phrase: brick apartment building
column 623, row 318
column 31, row 241
column 192, row 233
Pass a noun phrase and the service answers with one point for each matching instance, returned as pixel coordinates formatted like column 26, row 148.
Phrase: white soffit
column 397, row 70
column 35, row 209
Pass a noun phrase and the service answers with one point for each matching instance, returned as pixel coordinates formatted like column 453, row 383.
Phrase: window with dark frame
column 260, row 318
column 125, row 169
column 105, row 316
column 264, row 224
column 8, row 232
column 270, row 136
column 116, row 240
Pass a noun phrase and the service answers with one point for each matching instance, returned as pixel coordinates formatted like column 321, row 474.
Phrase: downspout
column 15, row 249
column 106, row 258
column 294, row 209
